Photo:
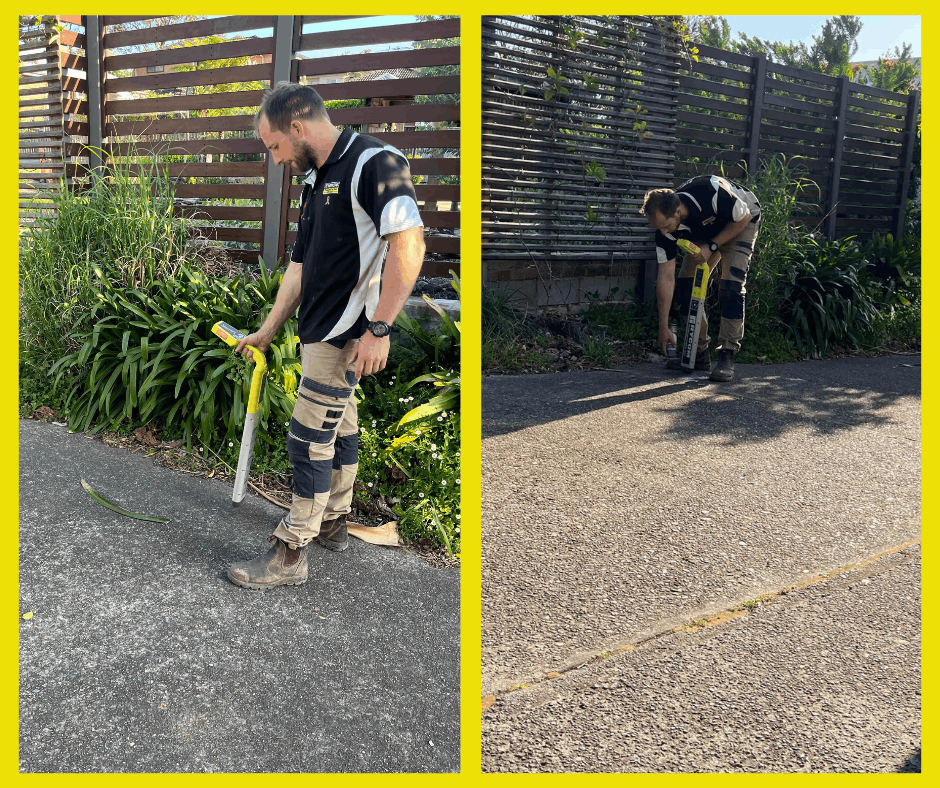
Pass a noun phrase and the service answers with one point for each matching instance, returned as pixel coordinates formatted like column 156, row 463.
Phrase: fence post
column 274, row 180
column 910, row 129
column 838, row 145
column 95, row 82
column 757, row 110
column 286, row 180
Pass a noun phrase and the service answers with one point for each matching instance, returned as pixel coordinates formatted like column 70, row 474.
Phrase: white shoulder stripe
column 348, row 144
column 692, row 199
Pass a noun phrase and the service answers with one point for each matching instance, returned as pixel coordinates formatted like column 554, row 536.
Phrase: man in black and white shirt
column 358, row 211
column 715, row 214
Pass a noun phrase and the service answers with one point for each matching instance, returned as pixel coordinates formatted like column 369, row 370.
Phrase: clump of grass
column 121, row 223
column 599, row 350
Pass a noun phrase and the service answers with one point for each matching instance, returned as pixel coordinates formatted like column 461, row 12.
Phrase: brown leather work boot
column 280, row 566
column 724, row 369
column 333, row 535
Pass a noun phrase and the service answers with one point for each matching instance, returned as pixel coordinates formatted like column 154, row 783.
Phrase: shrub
column 121, row 224
column 152, row 357
column 827, row 299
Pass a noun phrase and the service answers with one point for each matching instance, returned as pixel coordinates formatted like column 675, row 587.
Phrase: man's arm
column 731, row 231
column 402, row 266
column 665, row 286
column 286, row 303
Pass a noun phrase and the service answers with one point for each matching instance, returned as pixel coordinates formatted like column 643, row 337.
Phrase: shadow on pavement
column 912, row 764
column 763, row 403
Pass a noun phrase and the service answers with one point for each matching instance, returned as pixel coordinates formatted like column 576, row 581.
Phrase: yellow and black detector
column 696, row 306
column 232, row 336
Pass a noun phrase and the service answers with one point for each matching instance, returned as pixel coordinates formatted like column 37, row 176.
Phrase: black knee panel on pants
column 732, row 299
column 682, row 294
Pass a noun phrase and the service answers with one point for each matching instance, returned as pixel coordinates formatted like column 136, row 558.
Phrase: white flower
column 434, row 455
column 230, row 443
column 286, row 423
column 458, row 516
column 374, row 454
column 458, row 481
column 421, row 495
column 362, row 429
column 370, row 484
column 418, row 432
column 456, row 530
column 458, row 453
column 443, row 482
column 373, row 423
column 440, row 418
column 433, row 447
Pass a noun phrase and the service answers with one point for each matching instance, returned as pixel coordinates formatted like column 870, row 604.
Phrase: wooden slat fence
column 578, row 121
column 851, row 140
column 40, row 118
column 556, row 233
column 187, row 93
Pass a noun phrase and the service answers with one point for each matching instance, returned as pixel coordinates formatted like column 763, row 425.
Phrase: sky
column 879, row 33
column 347, row 24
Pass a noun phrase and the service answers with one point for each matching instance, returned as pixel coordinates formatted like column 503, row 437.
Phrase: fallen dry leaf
column 386, row 534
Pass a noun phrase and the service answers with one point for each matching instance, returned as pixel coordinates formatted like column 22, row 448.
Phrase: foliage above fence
column 186, row 92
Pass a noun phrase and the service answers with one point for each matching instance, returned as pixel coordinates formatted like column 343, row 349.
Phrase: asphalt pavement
column 782, row 508
column 141, row 656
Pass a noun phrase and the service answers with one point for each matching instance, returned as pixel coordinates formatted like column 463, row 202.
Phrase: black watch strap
column 379, row 328
column 713, row 246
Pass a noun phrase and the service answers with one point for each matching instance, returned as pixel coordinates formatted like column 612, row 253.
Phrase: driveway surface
column 141, row 656
column 621, row 505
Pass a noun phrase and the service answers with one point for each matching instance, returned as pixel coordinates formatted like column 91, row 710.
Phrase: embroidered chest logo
column 709, row 220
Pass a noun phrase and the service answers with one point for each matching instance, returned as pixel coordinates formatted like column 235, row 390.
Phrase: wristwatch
column 713, row 246
column 379, row 329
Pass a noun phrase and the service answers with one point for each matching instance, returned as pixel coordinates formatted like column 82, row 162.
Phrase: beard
column 303, row 157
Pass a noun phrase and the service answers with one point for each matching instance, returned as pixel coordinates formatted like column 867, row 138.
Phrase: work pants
column 323, row 441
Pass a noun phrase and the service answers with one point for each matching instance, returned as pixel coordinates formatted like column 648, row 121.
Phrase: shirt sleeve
column 297, row 253
column 729, row 204
column 387, row 194
column 666, row 248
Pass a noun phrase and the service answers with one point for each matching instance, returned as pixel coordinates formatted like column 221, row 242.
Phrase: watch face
column 379, row 329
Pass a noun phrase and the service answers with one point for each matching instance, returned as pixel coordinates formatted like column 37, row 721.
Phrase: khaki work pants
column 323, row 441
column 735, row 262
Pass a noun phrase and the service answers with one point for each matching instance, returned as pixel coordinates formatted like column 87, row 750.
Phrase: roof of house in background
column 384, row 73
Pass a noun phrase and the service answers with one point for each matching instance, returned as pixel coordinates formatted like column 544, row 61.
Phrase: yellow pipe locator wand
column 232, row 336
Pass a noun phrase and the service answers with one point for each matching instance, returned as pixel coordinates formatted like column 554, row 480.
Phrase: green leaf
column 114, row 508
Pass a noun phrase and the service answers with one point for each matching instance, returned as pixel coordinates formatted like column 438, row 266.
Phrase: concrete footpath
column 141, row 656
column 779, row 513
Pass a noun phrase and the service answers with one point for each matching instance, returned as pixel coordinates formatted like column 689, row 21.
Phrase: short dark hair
column 286, row 102
column 665, row 201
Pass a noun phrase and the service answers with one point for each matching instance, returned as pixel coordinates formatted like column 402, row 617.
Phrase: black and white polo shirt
column 713, row 203
column 362, row 193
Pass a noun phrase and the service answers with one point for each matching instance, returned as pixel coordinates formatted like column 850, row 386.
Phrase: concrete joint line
column 736, row 611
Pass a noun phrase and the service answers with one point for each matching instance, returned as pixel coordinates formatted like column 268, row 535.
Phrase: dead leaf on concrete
column 386, row 534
